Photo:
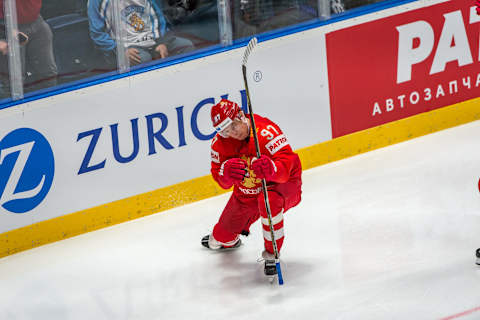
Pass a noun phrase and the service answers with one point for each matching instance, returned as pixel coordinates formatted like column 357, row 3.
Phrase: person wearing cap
column 234, row 163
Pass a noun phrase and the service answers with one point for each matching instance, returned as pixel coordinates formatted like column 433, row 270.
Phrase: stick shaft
column 257, row 149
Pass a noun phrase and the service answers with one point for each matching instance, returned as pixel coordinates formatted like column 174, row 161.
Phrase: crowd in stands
column 61, row 41
column 35, row 41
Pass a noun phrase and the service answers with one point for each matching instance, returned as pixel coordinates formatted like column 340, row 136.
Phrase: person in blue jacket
column 144, row 29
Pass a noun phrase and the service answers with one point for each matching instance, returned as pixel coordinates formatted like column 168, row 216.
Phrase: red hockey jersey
column 273, row 143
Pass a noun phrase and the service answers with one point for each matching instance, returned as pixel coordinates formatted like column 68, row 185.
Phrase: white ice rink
column 390, row 234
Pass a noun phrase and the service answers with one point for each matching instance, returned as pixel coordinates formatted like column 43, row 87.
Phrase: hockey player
column 234, row 163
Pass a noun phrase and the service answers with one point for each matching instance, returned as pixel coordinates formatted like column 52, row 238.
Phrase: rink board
column 131, row 147
column 204, row 187
column 139, row 134
column 418, row 61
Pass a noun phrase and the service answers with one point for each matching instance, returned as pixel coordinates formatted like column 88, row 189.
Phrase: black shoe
column 215, row 245
column 477, row 253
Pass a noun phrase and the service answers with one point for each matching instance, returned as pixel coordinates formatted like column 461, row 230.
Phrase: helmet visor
column 223, row 127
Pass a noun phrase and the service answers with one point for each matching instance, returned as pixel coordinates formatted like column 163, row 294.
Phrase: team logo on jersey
column 133, row 14
column 136, row 22
column 251, row 191
column 27, row 168
column 250, row 179
column 276, row 144
column 215, row 156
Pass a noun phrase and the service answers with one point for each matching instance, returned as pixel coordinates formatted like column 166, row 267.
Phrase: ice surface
column 390, row 234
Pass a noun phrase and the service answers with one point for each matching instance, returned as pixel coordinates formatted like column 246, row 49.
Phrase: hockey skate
column 209, row 242
column 270, row 267
column 477, row 254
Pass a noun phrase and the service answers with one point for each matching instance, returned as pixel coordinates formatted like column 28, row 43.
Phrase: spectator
column 145, row 28
column 257, row 16
column 36, row 48
column 177, row 10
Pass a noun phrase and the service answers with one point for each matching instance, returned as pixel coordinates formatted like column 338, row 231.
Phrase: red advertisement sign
column 399, row 66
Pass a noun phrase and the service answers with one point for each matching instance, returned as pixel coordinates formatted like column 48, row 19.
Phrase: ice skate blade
column 228, row 249
column 205, row 244
column 222, row 250
column 272, row 279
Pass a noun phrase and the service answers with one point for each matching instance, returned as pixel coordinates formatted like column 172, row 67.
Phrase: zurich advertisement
column 27, row 169
column 27, row 161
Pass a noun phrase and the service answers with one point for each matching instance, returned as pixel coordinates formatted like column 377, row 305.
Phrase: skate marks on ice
column 242, row 269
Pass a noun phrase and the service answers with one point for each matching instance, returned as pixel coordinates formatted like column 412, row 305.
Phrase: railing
column 63, row 45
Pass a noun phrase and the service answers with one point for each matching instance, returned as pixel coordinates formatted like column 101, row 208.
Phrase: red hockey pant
column 241, row 212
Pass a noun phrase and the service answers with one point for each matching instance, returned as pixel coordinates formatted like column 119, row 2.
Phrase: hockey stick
column 251, row 45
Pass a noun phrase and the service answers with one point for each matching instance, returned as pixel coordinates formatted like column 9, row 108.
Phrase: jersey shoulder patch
column 215, row 156
column 276, row 144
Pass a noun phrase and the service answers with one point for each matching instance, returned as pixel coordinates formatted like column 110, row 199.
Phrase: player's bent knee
column 276, row 203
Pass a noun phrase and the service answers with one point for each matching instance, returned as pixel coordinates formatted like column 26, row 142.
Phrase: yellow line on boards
column 390, row 133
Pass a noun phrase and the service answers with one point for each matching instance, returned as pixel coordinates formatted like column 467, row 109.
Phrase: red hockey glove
column 264, row 167
column 478, row 6
column 233, row 170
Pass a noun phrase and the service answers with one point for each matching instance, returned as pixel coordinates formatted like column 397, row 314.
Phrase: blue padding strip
column 314, row 23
